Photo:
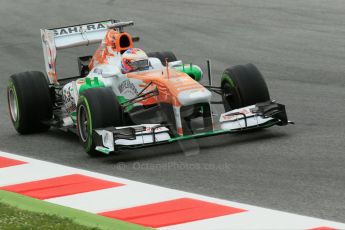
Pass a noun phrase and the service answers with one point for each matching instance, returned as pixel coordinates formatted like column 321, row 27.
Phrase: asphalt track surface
column 299, row 47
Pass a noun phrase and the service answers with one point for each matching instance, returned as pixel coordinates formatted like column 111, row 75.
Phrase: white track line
column 136, row 193
column 116, row 198
column 32, row 171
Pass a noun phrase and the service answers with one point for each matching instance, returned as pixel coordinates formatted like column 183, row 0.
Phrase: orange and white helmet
column 134, row 59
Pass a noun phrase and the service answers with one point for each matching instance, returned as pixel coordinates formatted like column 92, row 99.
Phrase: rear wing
column 73, row 36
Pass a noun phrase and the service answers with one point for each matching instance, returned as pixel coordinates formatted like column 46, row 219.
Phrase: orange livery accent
column 169, row 88
column 113, row 42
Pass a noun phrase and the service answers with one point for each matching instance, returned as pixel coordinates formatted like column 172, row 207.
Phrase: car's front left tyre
column 97, row 108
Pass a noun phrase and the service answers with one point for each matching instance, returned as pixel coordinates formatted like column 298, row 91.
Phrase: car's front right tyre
column 243, row 85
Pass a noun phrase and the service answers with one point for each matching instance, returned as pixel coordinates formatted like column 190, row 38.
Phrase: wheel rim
column 13, row 104
column 83, row 120
column 227, row 97
column 231, row 97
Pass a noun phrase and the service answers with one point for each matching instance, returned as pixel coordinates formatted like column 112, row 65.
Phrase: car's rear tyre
column 97, row 108
column 170, row 56
column 243, row 85
column 29, row 102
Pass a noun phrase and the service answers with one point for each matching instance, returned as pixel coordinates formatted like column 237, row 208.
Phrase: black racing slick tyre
column 170, row 56
column 97, row 108
column 29, row 102
column 243, row 85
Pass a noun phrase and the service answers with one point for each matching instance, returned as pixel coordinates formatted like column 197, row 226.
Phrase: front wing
column 262, row 115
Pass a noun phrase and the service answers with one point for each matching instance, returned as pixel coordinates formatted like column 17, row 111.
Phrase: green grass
column 12, row 218
column 22, row 212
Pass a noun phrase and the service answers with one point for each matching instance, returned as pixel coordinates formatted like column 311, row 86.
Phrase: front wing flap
column 253, row 116
column 113, row 138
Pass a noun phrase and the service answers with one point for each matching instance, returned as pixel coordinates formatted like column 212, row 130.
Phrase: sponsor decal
column 68, row 99
column 80, row 81
column 158, row 129
column 127, row 85
column 230, row 116
column 82, row 28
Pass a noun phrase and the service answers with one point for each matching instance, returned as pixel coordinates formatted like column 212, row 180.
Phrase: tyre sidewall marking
column 227, row 78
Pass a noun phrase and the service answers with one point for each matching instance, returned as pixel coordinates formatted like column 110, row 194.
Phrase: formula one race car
column 125, row 98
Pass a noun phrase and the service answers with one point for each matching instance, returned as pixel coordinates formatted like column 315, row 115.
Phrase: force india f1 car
column 161, row 101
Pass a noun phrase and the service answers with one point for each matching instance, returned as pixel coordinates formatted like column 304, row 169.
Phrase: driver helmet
column 134, row 59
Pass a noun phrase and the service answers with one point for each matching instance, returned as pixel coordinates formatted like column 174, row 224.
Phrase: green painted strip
column 80, row 217
column 102, row 149
column 122, row 100
column 220, row 131
column 186, row 137
column 94, row 82
column 193, row 71
column 74, row 117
